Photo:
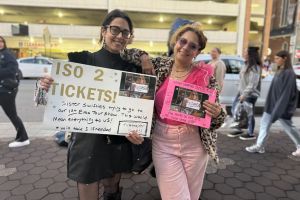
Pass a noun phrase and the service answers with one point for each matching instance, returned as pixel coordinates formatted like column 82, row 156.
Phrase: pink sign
column 184, row 103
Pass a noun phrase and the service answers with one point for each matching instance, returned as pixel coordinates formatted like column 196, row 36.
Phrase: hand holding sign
column 212, row 109
column 134, row 137
column 46, row 81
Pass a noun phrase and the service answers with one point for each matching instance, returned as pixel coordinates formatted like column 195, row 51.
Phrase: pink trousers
column 180, row 161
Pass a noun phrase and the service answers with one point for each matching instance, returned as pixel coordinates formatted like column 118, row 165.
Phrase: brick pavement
column 38, row 171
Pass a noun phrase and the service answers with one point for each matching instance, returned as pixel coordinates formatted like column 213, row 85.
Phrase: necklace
column 187, row 69
column 181, row 76
column 178, row 77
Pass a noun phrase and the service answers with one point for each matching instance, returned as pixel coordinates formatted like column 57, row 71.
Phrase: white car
column 34, row 67
column 231, row 82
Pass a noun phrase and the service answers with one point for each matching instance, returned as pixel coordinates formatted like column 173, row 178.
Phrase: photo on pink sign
column 188, row 102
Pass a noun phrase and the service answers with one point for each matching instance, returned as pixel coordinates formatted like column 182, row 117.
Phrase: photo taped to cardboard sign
column 137, row 86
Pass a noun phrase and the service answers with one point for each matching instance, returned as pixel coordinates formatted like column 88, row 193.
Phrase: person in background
column 249, row 90
column 91, row 157
column 267, row 68
column 180, row 151
column 8, row 92
column 281, row 104
column 219, row 66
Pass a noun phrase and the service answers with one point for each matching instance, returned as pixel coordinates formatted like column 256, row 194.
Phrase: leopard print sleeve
column 133, row 55
column 216, row 122
column 159, row 63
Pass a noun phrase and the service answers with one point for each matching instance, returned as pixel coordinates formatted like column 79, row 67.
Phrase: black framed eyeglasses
column 116, row 30
column 191, row 45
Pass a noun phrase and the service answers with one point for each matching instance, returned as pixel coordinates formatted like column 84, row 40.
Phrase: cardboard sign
column 98, row 100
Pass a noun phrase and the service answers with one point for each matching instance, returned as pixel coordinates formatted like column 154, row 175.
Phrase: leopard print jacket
column 163, row 67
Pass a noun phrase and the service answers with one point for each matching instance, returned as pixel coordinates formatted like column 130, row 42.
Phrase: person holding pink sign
column 180, row 150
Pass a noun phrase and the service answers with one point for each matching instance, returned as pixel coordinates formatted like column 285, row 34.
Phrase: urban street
column 38, row 171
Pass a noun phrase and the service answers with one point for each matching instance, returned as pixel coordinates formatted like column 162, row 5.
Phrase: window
column 47, row 62
column 285, row 46
column 30, row 60
column 234, row 66
column 284, row 13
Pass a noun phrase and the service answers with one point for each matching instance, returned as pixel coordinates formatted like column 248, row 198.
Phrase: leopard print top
column 162, row 67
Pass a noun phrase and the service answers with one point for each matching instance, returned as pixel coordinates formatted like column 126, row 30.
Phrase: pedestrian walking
column 9, row 83
column 280, row 105
column 249, row 90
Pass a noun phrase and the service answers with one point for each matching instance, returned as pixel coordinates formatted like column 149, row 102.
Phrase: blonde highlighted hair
column 195, row 28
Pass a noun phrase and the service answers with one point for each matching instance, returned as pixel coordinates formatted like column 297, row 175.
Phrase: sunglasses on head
column 115, row 30
column 191, row 45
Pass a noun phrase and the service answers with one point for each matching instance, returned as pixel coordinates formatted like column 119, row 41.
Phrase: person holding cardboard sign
column 93, row 158
column 180, row 155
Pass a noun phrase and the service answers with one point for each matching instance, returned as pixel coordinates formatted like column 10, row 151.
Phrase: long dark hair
column 285, row 55
column 4, row 42
column 116, row 14
column 253, row 58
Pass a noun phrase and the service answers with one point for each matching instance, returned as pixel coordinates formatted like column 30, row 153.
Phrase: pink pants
column 180, row 161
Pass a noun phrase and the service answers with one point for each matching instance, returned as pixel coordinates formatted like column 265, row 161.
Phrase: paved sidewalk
column 38, row 171
column 37, row 129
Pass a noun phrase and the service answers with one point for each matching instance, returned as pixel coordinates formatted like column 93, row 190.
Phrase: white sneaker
column 234, row 125
column 255, row 149
column 18, row 144
column 296, row 153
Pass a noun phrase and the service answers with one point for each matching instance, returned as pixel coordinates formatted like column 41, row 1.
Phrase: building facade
column 56, row 27
column 283, row 23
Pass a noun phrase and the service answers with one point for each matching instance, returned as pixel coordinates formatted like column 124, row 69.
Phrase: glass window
column 39, row 61
column 228, row 69
column 47, row 62
column 235, row 66
column 42, row 61
column 284, row 13
column 29, row 60
column 206, row 61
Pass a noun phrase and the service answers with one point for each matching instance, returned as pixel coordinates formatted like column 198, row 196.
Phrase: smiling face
column 116, row 42
column 186, row 48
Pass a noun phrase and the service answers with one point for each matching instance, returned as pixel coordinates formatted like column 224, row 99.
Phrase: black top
column 283, row 95
column 104, row 58
column 92, row 157
column 8, row 67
